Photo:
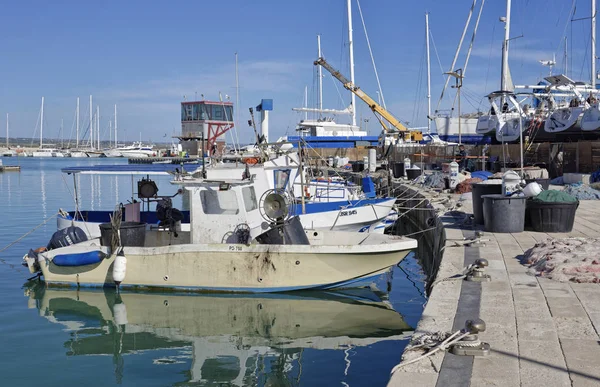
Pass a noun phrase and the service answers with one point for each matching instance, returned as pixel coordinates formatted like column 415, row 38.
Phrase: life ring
column 251, row 161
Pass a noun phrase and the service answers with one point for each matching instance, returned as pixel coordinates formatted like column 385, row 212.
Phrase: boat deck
column 541, row 332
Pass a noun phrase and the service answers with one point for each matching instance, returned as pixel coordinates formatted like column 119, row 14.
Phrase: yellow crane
column 379, row 111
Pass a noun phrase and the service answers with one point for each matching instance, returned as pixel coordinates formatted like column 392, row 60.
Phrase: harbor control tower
column 204, row 121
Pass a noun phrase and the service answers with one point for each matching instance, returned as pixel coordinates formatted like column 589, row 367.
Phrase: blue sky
column 145, row 56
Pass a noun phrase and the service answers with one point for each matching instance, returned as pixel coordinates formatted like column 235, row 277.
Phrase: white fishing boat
column 236, row 242
column 222, row 337
column 328, row 203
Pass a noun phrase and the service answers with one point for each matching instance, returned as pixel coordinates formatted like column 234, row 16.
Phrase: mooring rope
column 23, row 236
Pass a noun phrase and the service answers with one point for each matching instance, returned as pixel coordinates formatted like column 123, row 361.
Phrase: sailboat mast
column 91, row 124
column 320, row 74
column 62, row 122
column 98, row 125
column 77, row 126
column 504, row 78
column 428, row 74
column 42, row 123
column 7, row 131
column 593, row 69
column 306, row 102
column 115, row 126
column 351, row 49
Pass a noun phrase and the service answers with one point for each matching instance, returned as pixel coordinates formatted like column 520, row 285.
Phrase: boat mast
column 428, row 74
column 504, row 78
column 62, row 122
column 115, row 126
column 42, row 123
column 98, row 125
column 91, row 125
column 7, row 131
column 462, row 38
column 237, row 104
column 593, row 75
column 77, row 126
column 306, row 102
column 351, row 49
column 320, row 75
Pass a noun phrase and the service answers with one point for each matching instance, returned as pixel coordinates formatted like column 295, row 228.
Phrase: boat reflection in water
column 228, row 338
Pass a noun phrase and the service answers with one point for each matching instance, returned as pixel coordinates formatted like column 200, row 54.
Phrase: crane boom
column 379, row 111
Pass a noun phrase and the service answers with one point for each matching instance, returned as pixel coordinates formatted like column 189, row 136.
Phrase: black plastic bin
column 478, row 191
column 398, row 170
column 551, row 217
column 504, row 214
column 545, row 183
column 358, row 166
column 412, row 174
column 132, row 234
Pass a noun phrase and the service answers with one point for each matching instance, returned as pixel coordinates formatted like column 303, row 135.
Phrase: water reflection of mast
column 43, row 184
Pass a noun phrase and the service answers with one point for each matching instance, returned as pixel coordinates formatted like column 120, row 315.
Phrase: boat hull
column 563, row 119
column 590, row 119
column 447, row 130
column 238, row 267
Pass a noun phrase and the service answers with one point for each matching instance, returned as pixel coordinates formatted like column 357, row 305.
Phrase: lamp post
column 457, row 74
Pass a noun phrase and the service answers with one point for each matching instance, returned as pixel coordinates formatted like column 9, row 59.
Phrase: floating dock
column 162, row 160
column 541, row 332
column 10, row 168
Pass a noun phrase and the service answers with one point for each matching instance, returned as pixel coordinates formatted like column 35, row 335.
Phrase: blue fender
column 79, row 259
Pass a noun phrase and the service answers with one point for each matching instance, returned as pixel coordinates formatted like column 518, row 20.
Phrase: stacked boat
column 557, row 109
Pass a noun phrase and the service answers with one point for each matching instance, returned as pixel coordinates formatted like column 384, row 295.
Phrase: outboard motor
column 167, row 215
column 66, row 237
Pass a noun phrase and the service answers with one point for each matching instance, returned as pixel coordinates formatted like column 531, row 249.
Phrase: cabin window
column 219, row 202
column 282, row 176
column 249, row 196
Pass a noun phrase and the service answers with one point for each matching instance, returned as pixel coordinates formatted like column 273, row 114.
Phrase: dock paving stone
column 541, row 363
column 575, row 328
column 566, row 307
column 583, row 361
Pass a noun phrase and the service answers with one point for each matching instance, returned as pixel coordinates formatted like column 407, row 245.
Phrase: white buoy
column 119, row 268
column 372, row 160
column 406, row 165
column 453, row 175
column 120, row 313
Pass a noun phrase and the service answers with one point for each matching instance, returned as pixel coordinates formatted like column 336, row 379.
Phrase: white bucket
column 532, row 189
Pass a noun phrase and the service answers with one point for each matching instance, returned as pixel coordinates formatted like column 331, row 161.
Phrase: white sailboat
column 8, row 152
column 45, row 151
column 77, row 152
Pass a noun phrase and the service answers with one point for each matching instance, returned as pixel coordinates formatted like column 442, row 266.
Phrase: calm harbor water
column 99, row 338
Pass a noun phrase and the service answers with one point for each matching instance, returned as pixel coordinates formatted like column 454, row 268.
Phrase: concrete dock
column 541, row 332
